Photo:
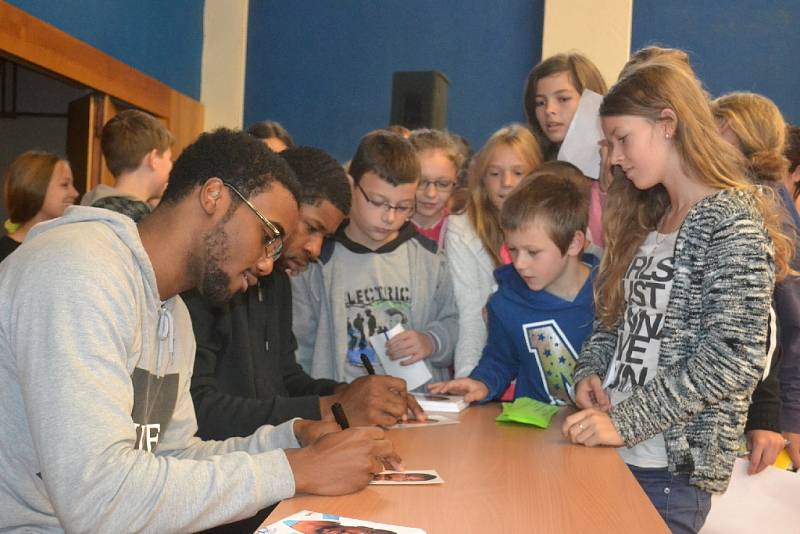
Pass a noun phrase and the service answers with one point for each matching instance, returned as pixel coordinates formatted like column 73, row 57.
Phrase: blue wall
column 745, row 45
column 161, row 38
column 323, row 68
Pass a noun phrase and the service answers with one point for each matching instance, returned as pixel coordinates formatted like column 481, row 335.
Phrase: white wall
column 224, row 55
column 599, row 29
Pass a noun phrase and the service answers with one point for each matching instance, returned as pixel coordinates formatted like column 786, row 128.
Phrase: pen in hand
column 367, row 364
column 338, row 414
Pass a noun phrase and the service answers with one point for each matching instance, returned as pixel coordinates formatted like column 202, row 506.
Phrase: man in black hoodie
column 245, row 373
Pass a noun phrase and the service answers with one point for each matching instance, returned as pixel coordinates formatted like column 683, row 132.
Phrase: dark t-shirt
column 7, row 246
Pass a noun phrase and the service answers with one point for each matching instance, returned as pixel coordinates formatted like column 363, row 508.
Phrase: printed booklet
column 307, row 522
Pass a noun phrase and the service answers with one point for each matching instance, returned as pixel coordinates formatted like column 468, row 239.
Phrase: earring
column 214, row 194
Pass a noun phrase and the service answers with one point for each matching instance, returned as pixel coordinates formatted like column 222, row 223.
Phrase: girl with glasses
column 440, row 160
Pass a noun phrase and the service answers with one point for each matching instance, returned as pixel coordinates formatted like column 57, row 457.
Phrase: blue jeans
column 683, row 507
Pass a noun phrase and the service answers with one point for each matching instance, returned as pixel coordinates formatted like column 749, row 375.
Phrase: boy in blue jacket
column 543, row 308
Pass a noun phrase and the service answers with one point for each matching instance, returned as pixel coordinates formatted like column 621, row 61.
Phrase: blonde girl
column 37, row 187
column 474, row 240
column 682, row 298
column 754, row 125
column 440, row 159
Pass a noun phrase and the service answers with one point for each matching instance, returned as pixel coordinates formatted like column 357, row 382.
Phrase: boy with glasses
column 376, row 267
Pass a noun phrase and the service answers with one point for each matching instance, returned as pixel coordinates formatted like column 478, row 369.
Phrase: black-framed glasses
column 442, row 186
column 273, row 237
column 385, row 207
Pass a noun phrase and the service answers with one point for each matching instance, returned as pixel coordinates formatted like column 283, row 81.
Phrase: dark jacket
column 776, row 400
column 245, row 373
column 787, row 306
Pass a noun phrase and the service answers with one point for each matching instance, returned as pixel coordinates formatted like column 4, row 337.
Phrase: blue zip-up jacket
column 535, row 337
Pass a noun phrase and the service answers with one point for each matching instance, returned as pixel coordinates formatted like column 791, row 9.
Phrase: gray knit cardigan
column 713, row 345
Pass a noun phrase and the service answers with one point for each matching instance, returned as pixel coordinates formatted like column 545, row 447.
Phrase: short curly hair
column 320, row 176
column 267, row 129
column 234, row 157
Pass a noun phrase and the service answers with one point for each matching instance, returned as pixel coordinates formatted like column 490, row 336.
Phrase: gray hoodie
column 97, row 420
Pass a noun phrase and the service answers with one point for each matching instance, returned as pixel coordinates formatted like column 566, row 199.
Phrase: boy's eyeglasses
column 273, row 238
column 441, row 185
column 385, row 206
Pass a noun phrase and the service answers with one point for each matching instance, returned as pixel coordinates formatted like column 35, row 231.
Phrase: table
column 499, row 478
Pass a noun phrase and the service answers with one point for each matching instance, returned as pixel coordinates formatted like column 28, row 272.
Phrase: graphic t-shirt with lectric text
column 376, row 300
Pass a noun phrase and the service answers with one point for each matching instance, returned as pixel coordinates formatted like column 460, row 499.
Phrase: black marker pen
column 367, row 364
column 338, row 414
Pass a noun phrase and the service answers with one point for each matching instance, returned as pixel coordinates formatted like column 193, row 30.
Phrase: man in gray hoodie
column 96, row 355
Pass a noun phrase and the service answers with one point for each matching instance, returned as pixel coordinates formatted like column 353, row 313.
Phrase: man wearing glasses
column 96, row 354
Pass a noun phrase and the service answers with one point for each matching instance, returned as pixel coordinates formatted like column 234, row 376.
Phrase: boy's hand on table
column 411, row 345
column 591, row 428
column 473, row 390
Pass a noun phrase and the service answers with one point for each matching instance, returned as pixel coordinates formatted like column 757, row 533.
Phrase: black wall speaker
column 419, row 99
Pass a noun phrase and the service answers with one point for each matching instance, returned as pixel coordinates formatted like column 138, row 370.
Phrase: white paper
column 409, row 477
column 766, row 502
column 305, row 522
column 415, row 374
column 580, row 144
column 436, row 402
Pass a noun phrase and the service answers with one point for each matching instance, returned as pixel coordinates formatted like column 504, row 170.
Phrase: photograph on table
column 431, row 420
column 413, row 477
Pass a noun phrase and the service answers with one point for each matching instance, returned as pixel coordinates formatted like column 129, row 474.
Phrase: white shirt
column 647, row 285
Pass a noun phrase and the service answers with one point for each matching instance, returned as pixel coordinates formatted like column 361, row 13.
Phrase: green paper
column 528, row 411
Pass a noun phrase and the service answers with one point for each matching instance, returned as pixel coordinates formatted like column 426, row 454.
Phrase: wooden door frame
column 31, row 40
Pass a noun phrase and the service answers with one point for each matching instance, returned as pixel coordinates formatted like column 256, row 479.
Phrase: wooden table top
column 499, row 477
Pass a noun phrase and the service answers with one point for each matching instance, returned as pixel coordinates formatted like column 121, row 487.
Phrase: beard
column 215, row 284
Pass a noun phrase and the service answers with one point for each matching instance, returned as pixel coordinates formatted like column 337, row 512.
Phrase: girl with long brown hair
column 37, row 187
column 683, row 295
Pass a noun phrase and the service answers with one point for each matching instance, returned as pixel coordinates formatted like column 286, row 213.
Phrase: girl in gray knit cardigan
column 683, row 294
